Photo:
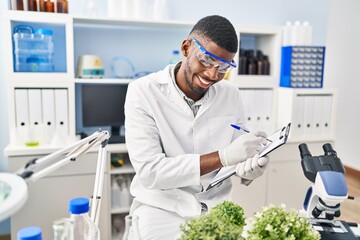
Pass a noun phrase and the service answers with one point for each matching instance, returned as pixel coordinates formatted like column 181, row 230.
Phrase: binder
column 61, row 117
column 249, row 108
column 259, row 109
column 318, row 101
column 309, row 115
column 35, row 117
column 326, row 122
column 22, row 115
column 48, row 107
column 298, row 116
column 266, row 109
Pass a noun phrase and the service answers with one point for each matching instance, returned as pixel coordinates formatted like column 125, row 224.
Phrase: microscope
column 324, row 196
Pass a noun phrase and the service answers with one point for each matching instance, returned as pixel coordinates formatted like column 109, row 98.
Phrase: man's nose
column 212, row 72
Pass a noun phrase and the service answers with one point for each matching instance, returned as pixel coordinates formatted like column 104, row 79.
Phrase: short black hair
column 217, row 29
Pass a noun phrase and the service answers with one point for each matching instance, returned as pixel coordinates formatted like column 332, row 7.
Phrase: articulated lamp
column 14, row 186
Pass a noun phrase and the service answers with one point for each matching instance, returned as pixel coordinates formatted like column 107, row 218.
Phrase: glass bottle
column 84, row 227
column 131, row 228
column 63, row 229
column 62, row 6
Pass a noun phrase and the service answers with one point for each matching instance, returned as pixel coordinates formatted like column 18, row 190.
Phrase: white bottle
column 115, row 194
column 160, row 9
column 84, row 227
column 307, row 31
column 295, row 34
column 287, row 34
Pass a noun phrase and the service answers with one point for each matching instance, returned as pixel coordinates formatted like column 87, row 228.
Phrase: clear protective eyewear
column 209, row 59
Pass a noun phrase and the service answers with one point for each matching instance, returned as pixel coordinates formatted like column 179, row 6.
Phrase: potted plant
column 224, row 222
column 278, row 223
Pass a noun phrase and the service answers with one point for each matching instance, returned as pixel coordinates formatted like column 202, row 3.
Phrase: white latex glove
column 244, row 147
column 252, row 168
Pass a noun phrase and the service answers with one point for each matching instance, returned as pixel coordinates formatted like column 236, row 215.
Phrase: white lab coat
column 165, row 141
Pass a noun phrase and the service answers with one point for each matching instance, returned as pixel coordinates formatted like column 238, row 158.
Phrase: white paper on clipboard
column 278, row 139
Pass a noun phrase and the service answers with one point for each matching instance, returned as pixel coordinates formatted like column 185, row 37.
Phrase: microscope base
column 334, row 230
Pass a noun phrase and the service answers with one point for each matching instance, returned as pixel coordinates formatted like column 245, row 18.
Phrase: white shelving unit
column 109, row 38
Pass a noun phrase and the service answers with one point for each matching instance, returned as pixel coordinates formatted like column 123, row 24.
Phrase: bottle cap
column 30, row 233
column 79, row 205
column 175, row 51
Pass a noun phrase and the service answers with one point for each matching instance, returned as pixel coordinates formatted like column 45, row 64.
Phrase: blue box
column 302, row 66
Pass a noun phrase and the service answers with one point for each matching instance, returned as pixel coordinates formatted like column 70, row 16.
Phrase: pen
column 245, row 130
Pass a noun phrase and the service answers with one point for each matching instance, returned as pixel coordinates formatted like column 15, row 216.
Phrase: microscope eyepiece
column 328, row 150
column 304, row 151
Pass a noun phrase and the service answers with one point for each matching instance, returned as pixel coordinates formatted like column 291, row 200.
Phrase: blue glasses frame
column 232, row 63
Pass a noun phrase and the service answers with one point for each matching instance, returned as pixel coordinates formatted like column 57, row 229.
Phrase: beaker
column 131, row 228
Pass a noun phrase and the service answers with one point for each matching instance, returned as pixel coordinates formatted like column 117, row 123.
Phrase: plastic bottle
column 131, row 228
column 30, row 233
column 84, row 227
column 175, row 57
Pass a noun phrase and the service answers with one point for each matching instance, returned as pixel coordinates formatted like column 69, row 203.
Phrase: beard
column 190, row 82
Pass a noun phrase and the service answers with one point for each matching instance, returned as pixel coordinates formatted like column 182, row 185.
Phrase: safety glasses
column 209, row 59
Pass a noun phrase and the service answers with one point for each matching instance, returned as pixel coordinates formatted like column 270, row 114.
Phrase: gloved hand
column 244, row 147
column 252, row 168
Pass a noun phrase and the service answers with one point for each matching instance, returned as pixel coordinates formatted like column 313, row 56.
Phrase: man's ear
column 186, row 47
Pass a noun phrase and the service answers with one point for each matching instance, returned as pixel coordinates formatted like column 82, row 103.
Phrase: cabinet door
column 251, row 198
column 287, row 184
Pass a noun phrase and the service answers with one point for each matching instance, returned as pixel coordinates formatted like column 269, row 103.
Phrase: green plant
column 224, row 222
column 278, row 223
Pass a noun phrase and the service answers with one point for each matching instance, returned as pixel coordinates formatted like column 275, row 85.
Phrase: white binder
column 298, row 116
column 35, row 117
column 318, row 100
column 326, row 122
column 22, row 115
column 48, row 106
column 248, row 96
column 61, row 117
column 309, row 115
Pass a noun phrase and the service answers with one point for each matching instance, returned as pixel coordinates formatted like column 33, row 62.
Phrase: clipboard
column 278, row 139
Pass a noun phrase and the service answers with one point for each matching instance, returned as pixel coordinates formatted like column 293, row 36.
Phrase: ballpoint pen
column 245, row 130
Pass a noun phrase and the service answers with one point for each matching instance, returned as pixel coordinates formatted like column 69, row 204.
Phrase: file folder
column 278, row 139
column 22, row 115
column 35, row 117
column 48, row 107
column 61, row 116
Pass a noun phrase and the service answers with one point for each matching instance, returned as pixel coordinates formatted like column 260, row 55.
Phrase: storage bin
column 302, row 66
column 33, row 50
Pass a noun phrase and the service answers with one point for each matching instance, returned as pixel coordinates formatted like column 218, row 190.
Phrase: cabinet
column 127, row 49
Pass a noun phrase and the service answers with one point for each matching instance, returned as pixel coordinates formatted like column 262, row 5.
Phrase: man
column 178, row 132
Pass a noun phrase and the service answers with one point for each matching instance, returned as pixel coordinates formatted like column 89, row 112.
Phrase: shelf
column 120, row 22
column 122, row 170
column 103, row 80
column 120, row 210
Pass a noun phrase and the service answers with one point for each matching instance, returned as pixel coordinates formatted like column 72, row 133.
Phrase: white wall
column 342, row 72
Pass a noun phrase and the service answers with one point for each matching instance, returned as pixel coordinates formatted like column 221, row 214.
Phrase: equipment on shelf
column 13, row 187
column 323, row 198
column 90, row 66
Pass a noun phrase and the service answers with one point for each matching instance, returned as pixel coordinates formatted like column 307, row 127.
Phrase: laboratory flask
column 84, row 227
column 63, row 229
column 131, row 228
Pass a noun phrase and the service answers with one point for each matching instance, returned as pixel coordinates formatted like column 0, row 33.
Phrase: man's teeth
column 204, row 81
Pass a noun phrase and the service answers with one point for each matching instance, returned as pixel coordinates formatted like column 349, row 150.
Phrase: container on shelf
column 33, row 49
